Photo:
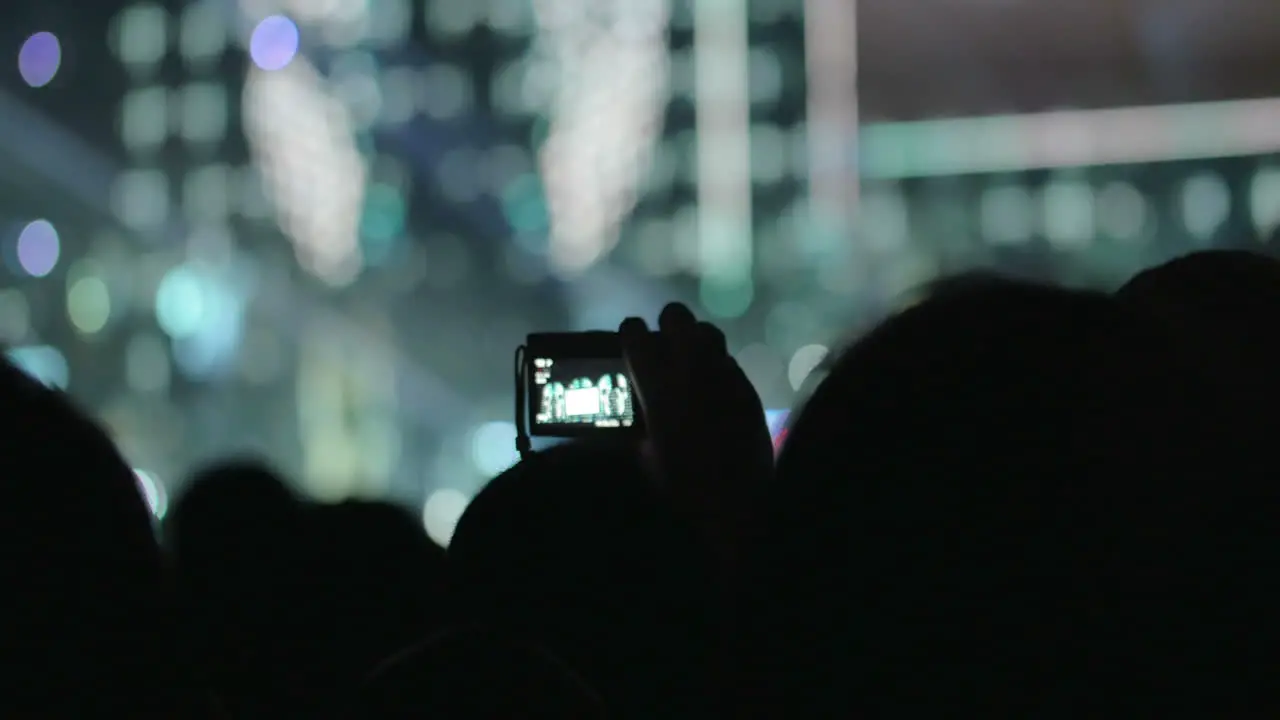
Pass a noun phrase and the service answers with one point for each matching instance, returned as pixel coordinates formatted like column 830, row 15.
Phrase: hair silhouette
column 994, row 503
column 576, row 549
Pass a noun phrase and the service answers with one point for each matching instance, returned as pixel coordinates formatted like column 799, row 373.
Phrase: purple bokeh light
column 274, row 43
column 39, row 59
column 38, row 248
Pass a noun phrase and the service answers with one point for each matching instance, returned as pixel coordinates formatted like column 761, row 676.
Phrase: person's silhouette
column 86, row 624
column 994, row 505
column 576, row 549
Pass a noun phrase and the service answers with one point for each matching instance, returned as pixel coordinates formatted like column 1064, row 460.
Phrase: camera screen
column 581, row 393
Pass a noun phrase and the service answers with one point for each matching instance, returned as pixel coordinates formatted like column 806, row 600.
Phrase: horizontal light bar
column 1070, row 138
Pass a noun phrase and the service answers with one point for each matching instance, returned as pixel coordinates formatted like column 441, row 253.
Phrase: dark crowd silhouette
column 1007, row 500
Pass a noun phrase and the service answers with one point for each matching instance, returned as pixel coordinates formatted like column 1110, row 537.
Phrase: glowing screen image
column 588, row 392
column 582, row 401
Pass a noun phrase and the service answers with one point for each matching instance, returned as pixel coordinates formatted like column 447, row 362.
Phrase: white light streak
column 303, row 142
column 1077, row 138
column 723, row 107
column 611, row 60
column 831, row 63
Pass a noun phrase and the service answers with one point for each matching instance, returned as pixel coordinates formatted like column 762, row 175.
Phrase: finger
column 638, row 346
column 676, row 318
column 632, row 326
column 677, row 327
column 710, row 340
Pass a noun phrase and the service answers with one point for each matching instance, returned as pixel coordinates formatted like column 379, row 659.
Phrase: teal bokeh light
column 382, row 223
column 525, row 207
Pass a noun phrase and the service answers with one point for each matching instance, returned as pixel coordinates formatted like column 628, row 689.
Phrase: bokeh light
column 39, row 59
column 803, row 363
column 180, row 303
column 274, row 43
column 441, row 513
column 38, row 248
column 45, row 363
column 89, row 304
column 493, row 447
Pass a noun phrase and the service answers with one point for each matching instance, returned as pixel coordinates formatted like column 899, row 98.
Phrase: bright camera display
column 581, row 392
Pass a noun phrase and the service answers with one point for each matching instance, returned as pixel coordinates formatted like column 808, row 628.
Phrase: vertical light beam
column 831, row 64
column 723, row 109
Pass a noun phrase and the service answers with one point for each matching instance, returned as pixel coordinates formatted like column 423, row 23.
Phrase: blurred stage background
column 316, row 230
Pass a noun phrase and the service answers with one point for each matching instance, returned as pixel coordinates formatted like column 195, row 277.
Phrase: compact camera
column 574, row 384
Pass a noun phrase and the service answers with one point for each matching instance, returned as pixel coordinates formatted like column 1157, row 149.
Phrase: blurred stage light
column 180, row 303
column 1069, row 214
column 140, row 35
column 1074, row 138
column 1264, row 200
column 493, row 448
column 274, row 43
column 304, row 143
column 1206, row 204
column 45, row 363
column 803, row 363
column 202, row 310
column 38, row 248
column 606, row 120
column 723, row 108
column 1122, row 211
column 88, row 305
column 441, row 513
column 39, row 59
column 1006, row 214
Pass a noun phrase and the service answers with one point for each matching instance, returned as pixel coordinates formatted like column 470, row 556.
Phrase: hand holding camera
column 678, row 390
column 704, row 420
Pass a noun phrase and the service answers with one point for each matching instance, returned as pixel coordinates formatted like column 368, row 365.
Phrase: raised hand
column 706, row 424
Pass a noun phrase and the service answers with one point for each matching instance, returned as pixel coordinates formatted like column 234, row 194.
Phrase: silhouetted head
column 82, row 597
column 476, row 674
column 228, row 502
column 1226, row 305
column 237, row 538
column 375, row 586
column 577, row 549
column 996, row 502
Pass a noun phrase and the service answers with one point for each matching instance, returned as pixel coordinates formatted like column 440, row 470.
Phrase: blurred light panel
column 45, row 363
column 831, row 47
column 38, row 248
column 274, row 43
column 303, row 140
column 1077, row 138
column 723, row 109
column 606, row 119
column 39, row 59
